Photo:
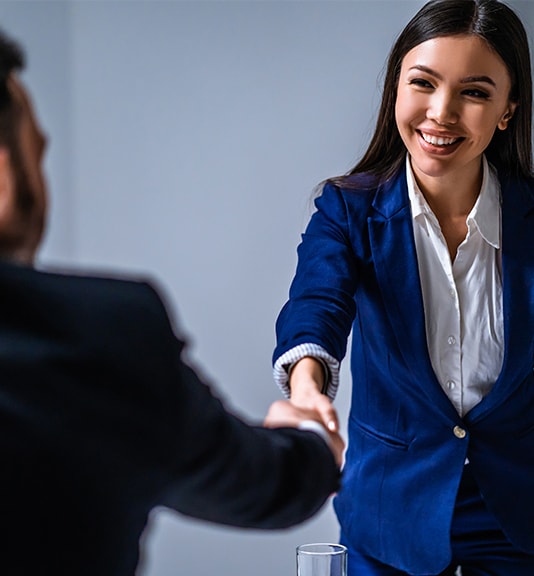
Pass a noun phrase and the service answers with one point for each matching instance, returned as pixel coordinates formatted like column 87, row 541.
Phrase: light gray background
column 186, row 142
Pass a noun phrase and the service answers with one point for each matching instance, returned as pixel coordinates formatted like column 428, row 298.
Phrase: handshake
column 320, row 418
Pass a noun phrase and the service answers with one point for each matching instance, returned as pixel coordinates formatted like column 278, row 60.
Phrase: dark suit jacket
column 358, row 269
column 101, row 421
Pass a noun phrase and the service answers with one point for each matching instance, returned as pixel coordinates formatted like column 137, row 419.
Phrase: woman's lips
column 439, row 144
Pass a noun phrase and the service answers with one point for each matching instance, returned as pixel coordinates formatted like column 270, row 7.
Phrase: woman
column 425, row 250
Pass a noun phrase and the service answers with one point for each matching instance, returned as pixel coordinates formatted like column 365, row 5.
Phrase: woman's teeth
column 438, row 141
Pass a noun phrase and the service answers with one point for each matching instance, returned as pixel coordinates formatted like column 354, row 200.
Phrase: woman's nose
column 443, row 109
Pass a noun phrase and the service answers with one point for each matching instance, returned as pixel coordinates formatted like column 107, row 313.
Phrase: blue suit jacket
column 358, row 268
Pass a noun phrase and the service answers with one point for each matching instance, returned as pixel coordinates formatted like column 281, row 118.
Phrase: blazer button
column 459, row 432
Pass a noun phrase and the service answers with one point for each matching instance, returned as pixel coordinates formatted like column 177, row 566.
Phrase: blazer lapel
column 394, row 254
column 518, row 292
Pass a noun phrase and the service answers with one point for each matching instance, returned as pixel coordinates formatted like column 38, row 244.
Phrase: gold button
column 459, row 432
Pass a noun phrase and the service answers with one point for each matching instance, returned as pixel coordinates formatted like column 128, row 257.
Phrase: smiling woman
column 424, row 250
column 453, row 93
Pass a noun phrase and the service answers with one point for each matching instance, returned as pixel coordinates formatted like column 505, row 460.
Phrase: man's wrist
column 317, row 427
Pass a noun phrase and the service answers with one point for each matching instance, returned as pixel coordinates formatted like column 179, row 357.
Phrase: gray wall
column 186, row 142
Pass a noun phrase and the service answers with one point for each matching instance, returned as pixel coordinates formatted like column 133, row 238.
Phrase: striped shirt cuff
column 284, row 364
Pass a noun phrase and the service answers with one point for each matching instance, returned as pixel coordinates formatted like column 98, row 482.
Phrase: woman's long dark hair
column 509, row 150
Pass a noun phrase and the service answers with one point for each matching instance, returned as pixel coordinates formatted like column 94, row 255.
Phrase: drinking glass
column 321, row 560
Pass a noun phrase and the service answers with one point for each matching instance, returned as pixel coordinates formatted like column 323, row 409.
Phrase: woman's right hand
column 306, row 383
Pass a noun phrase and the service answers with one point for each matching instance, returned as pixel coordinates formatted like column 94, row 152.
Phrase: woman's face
column 453, row 93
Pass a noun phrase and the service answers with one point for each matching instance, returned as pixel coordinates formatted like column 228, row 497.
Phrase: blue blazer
column 357, row 268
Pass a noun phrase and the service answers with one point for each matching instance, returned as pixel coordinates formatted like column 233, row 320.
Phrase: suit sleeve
column 321, row 307
column 232, row 473
column 223, row 470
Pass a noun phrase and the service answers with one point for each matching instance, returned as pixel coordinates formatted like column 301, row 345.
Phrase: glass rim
column 333, row 549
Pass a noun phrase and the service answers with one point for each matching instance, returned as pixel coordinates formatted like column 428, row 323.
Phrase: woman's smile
column 439, row 145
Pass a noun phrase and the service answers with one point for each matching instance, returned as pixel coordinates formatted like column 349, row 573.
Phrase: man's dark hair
column 11, row 60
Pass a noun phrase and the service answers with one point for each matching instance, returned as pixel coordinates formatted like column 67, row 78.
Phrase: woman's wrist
column 306, row 378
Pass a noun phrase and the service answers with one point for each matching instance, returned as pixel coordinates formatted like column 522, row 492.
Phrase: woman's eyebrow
column 466, row 80
column 485, row 79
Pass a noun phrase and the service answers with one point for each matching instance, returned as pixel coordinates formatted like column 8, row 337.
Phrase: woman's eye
column 476, row 93
column 420, row 82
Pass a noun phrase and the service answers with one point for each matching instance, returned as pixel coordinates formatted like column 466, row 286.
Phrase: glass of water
column 321, row 560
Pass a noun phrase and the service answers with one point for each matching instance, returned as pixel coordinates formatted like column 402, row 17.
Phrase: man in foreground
column 100, row 419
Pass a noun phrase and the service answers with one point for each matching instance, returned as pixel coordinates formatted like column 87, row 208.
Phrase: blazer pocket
column 387, row 439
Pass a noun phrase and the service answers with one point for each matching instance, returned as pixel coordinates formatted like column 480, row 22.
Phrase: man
column 100, row 419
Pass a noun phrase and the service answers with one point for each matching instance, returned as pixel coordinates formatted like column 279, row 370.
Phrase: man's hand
column 284, row 413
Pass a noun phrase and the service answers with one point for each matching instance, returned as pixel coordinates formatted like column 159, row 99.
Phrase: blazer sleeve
column 221, row 469
column 321, row 306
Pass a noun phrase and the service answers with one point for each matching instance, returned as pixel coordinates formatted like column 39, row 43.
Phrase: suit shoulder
column 126, row 298
column 357, row 189
column 347, row 199
column 97, row 284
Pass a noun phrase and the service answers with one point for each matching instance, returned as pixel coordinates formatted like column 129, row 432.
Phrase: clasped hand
column 288, row 413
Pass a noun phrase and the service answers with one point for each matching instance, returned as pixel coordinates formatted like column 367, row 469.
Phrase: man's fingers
column 338, row 447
